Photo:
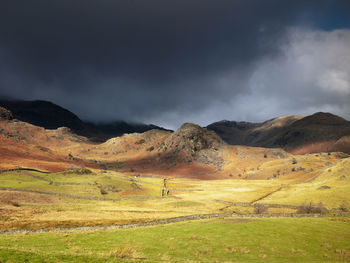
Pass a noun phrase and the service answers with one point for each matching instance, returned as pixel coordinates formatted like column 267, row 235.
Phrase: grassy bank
column 216, row 240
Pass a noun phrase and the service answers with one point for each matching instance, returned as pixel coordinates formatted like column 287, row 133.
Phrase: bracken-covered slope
column 319, row 132
column 191, row 151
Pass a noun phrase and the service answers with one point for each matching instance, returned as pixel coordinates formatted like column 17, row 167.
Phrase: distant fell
column 51, row 116
column 299, row 134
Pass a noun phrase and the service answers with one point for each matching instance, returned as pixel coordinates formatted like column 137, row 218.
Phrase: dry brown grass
column 126, row 251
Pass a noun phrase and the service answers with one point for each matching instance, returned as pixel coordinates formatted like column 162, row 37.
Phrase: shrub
column 141, row 141
column 260, row 209
column 312, row 208
column 84, row 171
column 343, row 207
column 15, row 204
column 294, row 161
column 150, row 149
column 78, row 170
column 103, row 191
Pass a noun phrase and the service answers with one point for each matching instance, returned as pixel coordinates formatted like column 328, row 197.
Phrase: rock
column 5, row 114
column 323, row 187
column 192, row 143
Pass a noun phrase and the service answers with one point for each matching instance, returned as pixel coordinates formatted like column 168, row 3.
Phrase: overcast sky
column 172, row 61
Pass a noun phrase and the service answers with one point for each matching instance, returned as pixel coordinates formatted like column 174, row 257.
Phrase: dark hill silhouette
column 288, row 132
column 51, row 116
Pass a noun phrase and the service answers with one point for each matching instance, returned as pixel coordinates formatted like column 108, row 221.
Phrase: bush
column 343, row 207
column 103, row 191
column 260, row 209
column 312, row 208
column 15, row 204
column 78, row 171
column 150, row 149
column 140, row 141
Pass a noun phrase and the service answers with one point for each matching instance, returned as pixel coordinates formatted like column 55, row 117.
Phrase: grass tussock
column 126, row 251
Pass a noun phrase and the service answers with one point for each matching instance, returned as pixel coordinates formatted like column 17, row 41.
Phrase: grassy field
column 331, row 187
column 28, row 210
column 215, row 240
column 115, row 185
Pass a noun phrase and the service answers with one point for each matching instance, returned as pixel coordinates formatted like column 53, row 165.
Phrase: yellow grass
column 192, row 196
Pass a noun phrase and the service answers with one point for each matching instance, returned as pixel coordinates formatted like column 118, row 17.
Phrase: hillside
column 316, row 133
column 54, row 178
column 51, row 116
column 191, row 151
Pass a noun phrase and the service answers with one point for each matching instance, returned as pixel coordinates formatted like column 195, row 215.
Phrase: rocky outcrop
column 5, row 114
column 192, row 143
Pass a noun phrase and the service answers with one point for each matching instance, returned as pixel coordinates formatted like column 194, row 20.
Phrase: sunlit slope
column 90, row 185
column 331, row 186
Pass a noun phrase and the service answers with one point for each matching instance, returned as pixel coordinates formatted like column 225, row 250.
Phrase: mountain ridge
column 52, row 116
column 319, row 132
column 291, row 132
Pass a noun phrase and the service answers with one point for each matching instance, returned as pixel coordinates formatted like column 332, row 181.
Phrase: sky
column 168, row 62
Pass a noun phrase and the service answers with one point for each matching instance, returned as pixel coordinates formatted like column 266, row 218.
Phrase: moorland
column 228, row 192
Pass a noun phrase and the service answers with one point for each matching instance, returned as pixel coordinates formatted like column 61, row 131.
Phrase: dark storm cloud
column 144, row 60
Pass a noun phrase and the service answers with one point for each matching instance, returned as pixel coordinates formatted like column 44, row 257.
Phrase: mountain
column 44, row 114
column 51, row 116
column 252, row 134
column 191, row 151
column 297, row 134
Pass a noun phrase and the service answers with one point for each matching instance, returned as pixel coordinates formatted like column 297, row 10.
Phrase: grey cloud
column 159, row 61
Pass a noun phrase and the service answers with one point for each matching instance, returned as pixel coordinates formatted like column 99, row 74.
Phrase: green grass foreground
column 216, row 240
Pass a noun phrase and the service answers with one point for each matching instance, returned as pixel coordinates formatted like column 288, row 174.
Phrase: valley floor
column 89, row 201
column 35, row 200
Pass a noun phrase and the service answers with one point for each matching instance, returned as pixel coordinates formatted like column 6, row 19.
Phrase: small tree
column 260, row 209
column 103, row 191
column 343, row 207
column 312, row 208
